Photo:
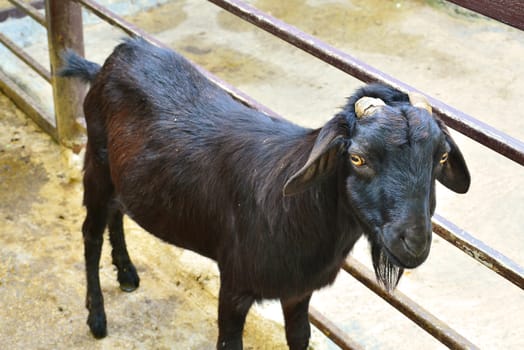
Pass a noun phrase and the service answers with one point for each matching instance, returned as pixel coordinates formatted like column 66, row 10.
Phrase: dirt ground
column 471, row 63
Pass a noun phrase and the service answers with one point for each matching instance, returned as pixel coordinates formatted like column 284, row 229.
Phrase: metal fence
column 63, row 20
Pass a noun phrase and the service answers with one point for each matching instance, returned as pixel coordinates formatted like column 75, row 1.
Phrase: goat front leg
column 232, row 310
column 127, row 275
column 298, row 329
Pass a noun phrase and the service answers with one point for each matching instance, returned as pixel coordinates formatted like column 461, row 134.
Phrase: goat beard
column 387, row 274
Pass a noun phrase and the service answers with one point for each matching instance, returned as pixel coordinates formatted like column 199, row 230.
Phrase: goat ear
column 321, row 163
column 455, row 173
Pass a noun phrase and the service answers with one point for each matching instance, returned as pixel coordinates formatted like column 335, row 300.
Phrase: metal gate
column 63, row 21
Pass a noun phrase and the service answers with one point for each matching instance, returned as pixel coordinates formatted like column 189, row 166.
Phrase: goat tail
column 75, row 65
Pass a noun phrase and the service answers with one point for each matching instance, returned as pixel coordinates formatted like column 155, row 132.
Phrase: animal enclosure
column 496, row 140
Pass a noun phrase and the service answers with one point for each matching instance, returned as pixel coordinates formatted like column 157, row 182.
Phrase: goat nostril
column 413, row 251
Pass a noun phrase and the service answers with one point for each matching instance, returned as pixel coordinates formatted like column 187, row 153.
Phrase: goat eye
column 444, row 158
column 357, row 160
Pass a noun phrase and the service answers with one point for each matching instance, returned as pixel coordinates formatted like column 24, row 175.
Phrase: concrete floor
column 467, row 61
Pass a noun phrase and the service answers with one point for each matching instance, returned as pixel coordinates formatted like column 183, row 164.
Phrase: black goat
column 278, row 206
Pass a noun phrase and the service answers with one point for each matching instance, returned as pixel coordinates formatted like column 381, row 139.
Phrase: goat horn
column 366, row 106
column 418, row 100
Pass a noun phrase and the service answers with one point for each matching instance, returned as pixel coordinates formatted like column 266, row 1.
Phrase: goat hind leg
column 127, row 275
column 93, row 229
column 97, row 192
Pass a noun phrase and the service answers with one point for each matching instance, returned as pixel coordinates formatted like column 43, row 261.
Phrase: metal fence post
column 64, row 30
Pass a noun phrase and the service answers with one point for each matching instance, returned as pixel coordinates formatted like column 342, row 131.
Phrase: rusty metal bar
column 115, row 20
column 133, row 30
column 467, row 125
column 30, row 10
column 438, row 329
column 15, row 49
column 478, row 250
column 331, row 330
column 27, row 105
column 64, row 31
column 510, row 12
column 15, row 12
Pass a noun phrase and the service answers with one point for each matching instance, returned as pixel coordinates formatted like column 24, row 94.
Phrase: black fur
column 278, row 206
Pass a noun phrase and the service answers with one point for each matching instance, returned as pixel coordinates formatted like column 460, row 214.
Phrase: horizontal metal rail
column 25, row 102
column 409, row 308
column 115, row 20
column 331, row 330
column 15, row 12
column 510, row 12
column 15, row 49
column 490, row 137
column 129, row 28
column 30, row 10
column 478, row 250
column 28, row 105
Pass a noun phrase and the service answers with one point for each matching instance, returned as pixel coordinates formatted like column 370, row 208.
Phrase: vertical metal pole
column 64, row 30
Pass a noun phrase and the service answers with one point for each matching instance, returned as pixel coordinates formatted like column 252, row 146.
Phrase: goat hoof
column 300, row 346
column 128, row 279
column 128, row 288
column 97, row 325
